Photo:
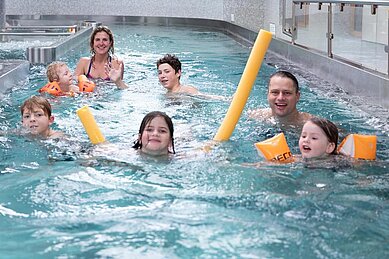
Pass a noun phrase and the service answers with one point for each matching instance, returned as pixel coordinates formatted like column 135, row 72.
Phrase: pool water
column 65, row 199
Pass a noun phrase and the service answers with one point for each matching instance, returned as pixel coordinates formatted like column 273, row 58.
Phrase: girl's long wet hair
column 146, row 120
column 329, row 129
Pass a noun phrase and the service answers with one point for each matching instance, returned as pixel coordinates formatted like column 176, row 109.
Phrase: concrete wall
column 2, row 13
column 249, row 14
column 167, row 8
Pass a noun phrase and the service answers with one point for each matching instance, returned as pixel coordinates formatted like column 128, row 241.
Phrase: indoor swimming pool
column 70, row 199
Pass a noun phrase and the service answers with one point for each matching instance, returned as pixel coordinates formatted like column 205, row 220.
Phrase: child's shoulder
column 55, row 134
column 190, row 89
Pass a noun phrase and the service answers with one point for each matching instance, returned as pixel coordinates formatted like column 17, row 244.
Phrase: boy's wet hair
column 329, row 129
column 36, row 102
column 93, row 35
column 172, row 60
column 286, row 74
column 52, row 70
column 147, row 119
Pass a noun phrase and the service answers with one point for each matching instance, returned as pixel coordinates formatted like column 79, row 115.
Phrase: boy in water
column 37, row 118
column 60, row 80
column 169, row 75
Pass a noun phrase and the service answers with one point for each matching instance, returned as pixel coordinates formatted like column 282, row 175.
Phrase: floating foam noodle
column 359, row 146
column 90, row 125
column 275, row 149
column 85, row 85
column 245, row 85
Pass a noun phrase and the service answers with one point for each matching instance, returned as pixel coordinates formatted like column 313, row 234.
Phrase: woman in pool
column 156, row 135
column 319, row 138
column 103, row 64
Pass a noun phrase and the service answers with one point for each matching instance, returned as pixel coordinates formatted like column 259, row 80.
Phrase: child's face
column 156, row 137
column 314, row 142
column 65, row 77
column 167, row 76
column 36, row 121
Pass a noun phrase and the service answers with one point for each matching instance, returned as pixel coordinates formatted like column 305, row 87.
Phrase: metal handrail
column 292, row 30
column 40, row 27
column 377, row 2
column 36, row 33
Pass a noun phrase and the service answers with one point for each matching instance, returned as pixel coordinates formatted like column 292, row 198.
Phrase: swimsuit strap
column 88, row 75
column 89, row 68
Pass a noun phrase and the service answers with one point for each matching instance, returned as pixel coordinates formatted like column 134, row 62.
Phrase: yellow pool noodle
column 246, row 83
column 90, row 125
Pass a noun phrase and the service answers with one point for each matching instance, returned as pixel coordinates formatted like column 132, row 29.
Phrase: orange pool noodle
column 85, row 85
column 359, row 146
column 245, row 85
column 275, row 149
column 90, row 125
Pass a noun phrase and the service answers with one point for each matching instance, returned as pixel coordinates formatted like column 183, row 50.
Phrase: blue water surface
column 72, row 200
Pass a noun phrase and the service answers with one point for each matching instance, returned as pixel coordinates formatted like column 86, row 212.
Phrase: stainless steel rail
column 47, row 54
column 291, row 30
column 377, row 2
column 36, row 33
column 39, row 27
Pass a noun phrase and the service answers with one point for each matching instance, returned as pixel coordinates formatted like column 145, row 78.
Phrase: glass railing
column 355, row 32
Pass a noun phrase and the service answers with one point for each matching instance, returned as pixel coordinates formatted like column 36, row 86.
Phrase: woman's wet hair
column 286, row 74
column 329, row 129
column 93, row 35
column 147, row 119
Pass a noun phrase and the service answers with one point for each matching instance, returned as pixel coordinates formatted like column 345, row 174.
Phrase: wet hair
column 330, row 129
column 286, row 74
column 172, row 60
column 93, row 35
column 146, row 120
column 52, row 70
column 36, row 102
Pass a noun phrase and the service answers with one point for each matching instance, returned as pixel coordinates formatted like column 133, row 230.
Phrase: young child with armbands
column 319, row 138
column 61, row 81
column 37, row 118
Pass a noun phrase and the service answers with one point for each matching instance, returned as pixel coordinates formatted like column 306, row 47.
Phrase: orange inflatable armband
column 85, row 85
column 52, row 88
column 359, row 146
column 275, row 149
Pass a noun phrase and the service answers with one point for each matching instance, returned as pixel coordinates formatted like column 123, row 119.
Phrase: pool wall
column 242, row 18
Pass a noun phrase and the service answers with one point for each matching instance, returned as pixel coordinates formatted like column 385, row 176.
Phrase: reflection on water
column 72, row 199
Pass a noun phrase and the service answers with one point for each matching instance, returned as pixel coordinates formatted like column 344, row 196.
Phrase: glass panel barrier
column 360, row 36
column 355, row 32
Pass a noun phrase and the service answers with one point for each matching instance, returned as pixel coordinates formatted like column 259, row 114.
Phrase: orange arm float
column 359, row 146
column 275, row 149
column 85, row 85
